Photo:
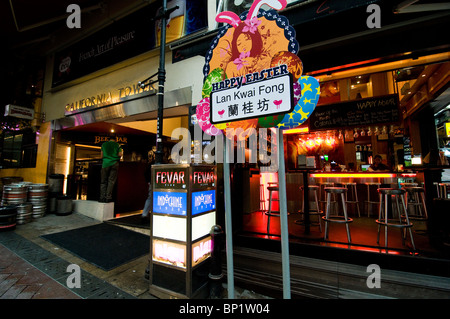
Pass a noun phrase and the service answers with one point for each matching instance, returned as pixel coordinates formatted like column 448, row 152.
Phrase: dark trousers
column 108, row 180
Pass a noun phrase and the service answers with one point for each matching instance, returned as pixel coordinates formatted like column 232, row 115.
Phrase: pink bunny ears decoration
column 234, row 20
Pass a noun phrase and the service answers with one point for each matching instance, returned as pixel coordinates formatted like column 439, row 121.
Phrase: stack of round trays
column 14, row 194
column 24, row 212
column 37, row 196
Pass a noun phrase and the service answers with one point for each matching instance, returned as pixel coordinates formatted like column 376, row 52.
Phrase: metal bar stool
column 438, row 190
column 383, row 219
column 323, row 196
column 336, row 218
column 312, row 212
column 352, row 189
column 270, row 213
column 443, row 190
column 262, row 198
column 417, row 202
column 369, row 201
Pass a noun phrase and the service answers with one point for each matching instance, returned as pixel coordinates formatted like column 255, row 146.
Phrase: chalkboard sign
column 362, row 112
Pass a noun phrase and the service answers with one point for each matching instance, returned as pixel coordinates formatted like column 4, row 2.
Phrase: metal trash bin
column 55, row 189
column 63, row 206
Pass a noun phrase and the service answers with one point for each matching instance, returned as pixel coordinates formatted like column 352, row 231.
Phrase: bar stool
column 336, row 219
column 443, row 190
column 312, row 212
column 323, row 196
column 262, row 198
column 369, row 201
column 383, row 219
column 417, row 202
column 352, row 189
column 438, row 190
column 270, row 213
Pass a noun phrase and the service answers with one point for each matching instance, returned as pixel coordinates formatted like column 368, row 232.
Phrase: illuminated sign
column 447, row 129
column 202, row 224
column 19, row 111
column 169, row 227
column 203, row 177
column 173, row 178
column 169, row 203
column 201, row 250
column 258, row 97
column 101, row 139
column 203, row 201
column 169, row 253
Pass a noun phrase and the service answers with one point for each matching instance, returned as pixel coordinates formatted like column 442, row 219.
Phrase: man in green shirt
column 111, row 154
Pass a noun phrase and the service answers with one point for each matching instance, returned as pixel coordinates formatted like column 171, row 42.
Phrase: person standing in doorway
column 111, row 154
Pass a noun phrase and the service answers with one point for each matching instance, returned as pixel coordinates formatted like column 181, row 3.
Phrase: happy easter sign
column 252, row 75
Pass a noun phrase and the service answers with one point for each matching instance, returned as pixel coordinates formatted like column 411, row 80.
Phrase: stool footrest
column 302, row 222
column 415, row 217
column 311, row 212
column 272, row 213
column 337, row 219
column 393, row 223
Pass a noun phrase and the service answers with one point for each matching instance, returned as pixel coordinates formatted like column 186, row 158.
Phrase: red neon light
column 408, row 175
column 354, row 175
column 345, row 66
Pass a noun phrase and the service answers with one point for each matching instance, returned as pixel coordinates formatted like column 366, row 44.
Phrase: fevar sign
column 263, row 94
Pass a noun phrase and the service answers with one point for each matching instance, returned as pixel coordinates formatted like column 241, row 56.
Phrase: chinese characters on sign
column 255, row 95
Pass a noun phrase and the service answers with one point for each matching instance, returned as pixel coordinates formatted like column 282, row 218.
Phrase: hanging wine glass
column 363, row 133
column 355, row 134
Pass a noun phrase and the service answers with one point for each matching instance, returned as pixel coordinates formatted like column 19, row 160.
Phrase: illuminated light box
column 169, row 253
column 203, row 201
column 202, row 224
column 184, row 211
column 173, row 203
column 201, row 250
column 169, row 227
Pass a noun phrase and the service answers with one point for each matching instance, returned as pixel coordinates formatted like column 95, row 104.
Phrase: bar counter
column 294, row 179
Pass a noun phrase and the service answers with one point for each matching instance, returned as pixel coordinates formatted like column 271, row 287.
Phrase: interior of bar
column 360, row 150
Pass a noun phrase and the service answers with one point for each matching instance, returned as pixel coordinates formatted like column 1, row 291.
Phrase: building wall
column 183, row 74
column 38, row 174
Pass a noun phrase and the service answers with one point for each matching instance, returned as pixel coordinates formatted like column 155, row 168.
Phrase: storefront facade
column 376, row 99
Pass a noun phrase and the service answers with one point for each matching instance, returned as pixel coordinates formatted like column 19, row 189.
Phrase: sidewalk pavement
column 33, row 268
column 21, row 280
